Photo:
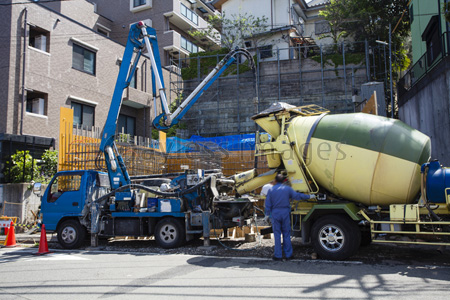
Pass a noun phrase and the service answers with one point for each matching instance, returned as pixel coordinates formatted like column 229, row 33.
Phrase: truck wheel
column 169, row 233
column 335, row 237
column 71, row 234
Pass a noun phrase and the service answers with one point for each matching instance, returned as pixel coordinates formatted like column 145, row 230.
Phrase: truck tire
column 71, row 234
column 335, row 237
column 169, row 233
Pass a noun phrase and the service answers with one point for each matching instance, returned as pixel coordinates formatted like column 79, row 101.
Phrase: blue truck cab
column 65, row 202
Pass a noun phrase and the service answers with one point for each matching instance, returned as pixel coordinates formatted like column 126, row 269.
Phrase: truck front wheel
column 335, row 237
column 71, row 234
column 169, row 233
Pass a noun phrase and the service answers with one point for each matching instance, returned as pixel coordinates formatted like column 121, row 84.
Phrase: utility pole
column 390, row 70
column 390, row 67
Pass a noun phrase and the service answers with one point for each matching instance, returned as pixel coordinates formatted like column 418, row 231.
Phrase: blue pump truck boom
column 109, row 204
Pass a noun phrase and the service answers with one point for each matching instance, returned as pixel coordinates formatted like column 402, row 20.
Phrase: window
column 83, row 59
column 265, row 51
column 139, row 5
column 39, row 39
column 126, row 124
column 133, row 81
column 189, row 14
column 102, row 32
column 62, row 184
column 189, row 46
column 36, row 103
column 322, row 27
column 83, row 115
column 432, row 39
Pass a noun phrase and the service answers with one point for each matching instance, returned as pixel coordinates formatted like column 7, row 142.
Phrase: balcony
column 136, row 98
column 186, row 19
column 179, row 47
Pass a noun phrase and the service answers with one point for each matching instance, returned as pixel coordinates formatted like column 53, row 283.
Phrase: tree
column 369, row 20
column 333, row 14
column 22, row 167
column 49, row 164
column 232, row 32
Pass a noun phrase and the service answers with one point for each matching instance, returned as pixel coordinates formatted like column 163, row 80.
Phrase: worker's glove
column 267, row 219
column 312, row 196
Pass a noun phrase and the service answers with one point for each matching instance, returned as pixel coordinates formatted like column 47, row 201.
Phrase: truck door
column 63, row 197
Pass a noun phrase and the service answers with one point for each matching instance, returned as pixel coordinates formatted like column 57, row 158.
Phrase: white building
column 289, row 23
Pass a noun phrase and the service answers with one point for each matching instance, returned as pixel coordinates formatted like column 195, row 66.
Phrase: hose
column 145, row 188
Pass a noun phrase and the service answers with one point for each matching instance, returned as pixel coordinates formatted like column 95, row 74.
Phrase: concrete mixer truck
column 372, row 176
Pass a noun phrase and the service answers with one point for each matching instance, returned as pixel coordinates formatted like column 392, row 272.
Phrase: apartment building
column 172, row 20
column 289, row 23
column 59, row 54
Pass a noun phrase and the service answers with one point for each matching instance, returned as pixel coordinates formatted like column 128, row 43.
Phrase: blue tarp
column 196, row 143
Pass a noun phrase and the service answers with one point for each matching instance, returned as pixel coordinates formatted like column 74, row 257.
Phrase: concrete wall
column 18, row 200
column 426, row 107
column 227, row 106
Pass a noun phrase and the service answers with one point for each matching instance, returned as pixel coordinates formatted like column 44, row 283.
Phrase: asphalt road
column 133, row 275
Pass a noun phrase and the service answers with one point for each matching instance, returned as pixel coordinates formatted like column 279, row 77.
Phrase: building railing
column 192, row 16
column 424, row 65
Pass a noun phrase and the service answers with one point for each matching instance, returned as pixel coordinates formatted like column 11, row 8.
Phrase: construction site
column 217, row 132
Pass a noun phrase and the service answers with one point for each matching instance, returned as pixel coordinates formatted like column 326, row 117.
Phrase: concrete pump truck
column 102, row 204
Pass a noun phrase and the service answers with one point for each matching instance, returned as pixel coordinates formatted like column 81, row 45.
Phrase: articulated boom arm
column 143, row 38
column 140, row 38
column 171, row 119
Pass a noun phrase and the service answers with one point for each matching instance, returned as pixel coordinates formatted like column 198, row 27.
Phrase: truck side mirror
column 37, row 186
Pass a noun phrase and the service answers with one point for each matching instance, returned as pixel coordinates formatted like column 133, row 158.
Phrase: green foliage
column 123, row 138
column 336, row 59
column 155, row 134
column 369, row 20
column 208, row 60
column 232, row 32
column 332, row 15
column 22, row 167
column 49, row 164
column 172, row 131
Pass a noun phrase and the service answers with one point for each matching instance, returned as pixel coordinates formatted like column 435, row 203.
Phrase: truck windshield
column 62, row 184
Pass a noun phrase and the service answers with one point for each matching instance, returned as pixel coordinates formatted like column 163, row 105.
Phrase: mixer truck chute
column 369, row 169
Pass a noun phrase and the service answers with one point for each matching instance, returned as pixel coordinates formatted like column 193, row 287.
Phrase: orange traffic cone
column 11, row 237
column 43, row 246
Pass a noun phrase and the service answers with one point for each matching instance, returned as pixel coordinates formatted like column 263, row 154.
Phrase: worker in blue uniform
column 278, row 208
